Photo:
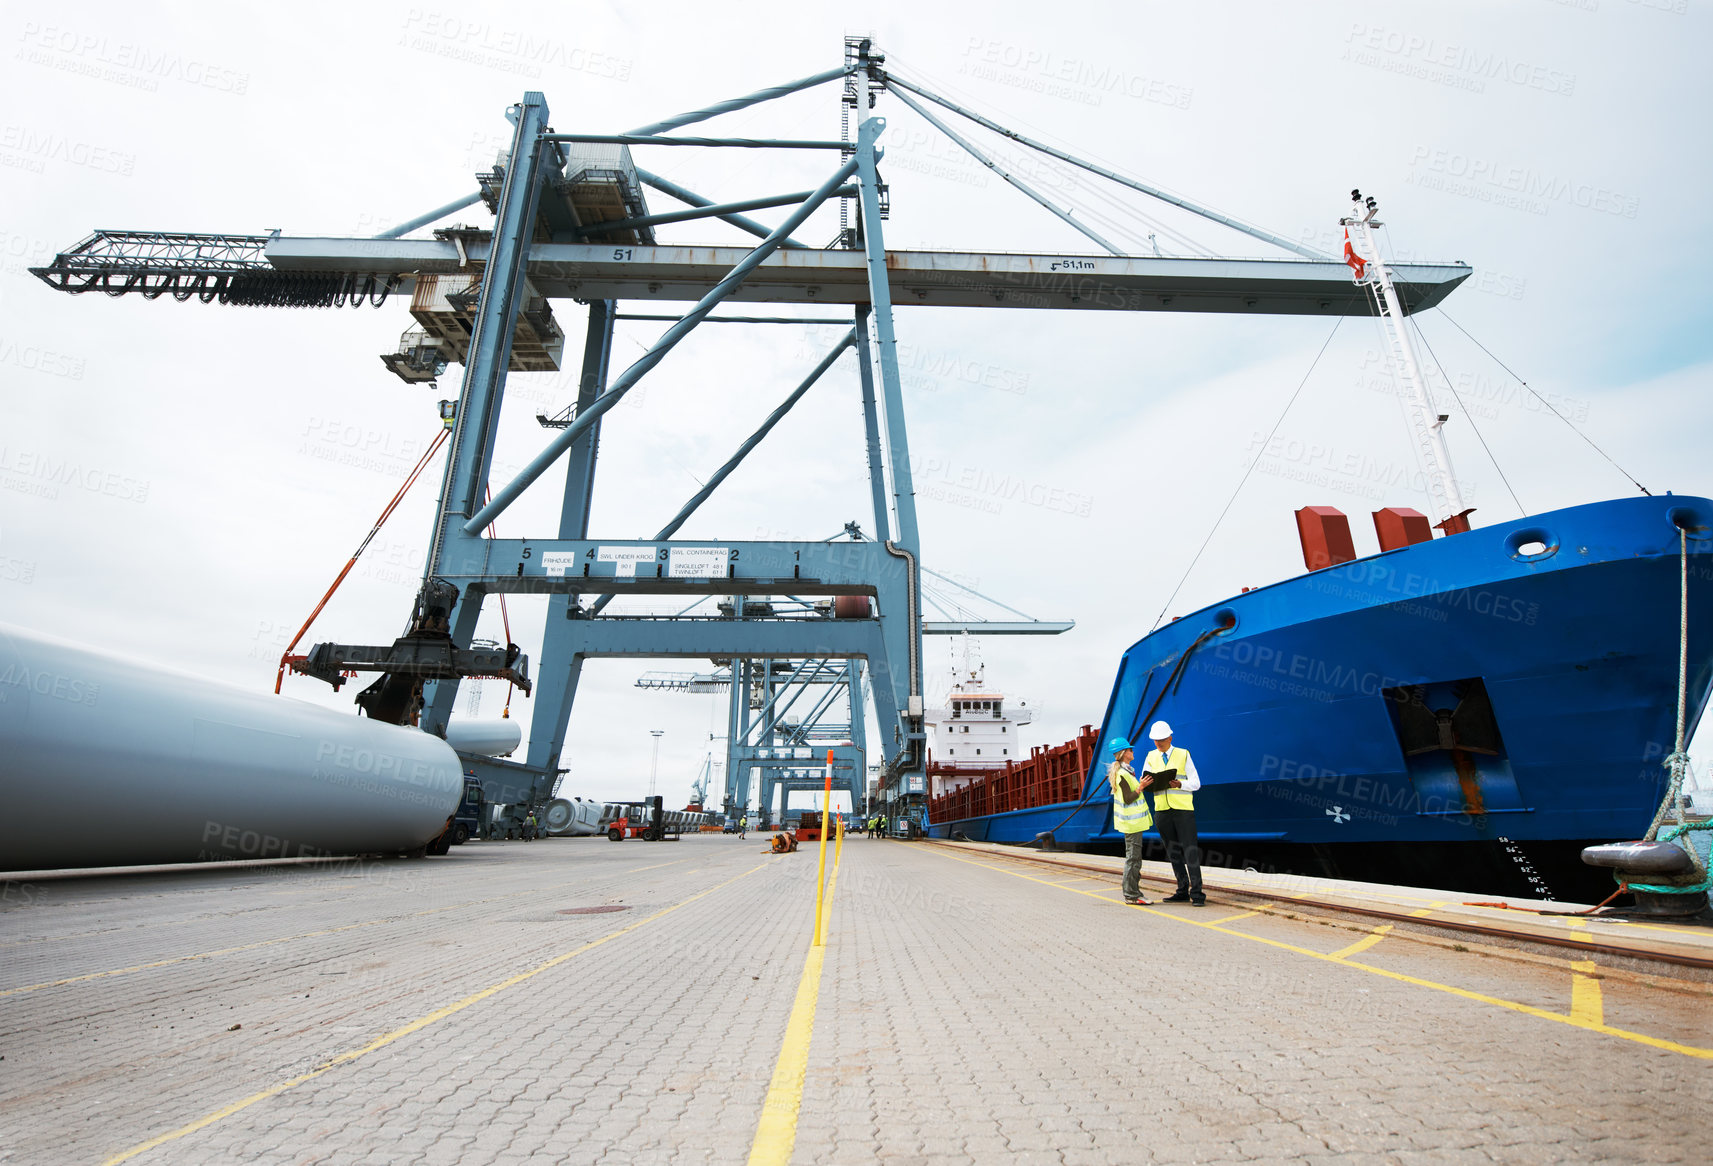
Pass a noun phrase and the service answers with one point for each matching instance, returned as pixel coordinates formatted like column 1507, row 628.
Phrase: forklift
column 645, row 820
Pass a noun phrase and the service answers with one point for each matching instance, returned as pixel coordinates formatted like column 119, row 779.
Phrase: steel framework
column 783, row 628
column 773, row 752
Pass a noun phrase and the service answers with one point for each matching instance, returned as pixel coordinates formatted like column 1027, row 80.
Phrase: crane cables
column 1544, row 401
column 1092, row 165
column 1467, row 415
column 410, row 480
column 1241, row 482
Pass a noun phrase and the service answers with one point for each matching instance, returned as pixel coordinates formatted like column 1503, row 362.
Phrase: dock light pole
column 654, row 766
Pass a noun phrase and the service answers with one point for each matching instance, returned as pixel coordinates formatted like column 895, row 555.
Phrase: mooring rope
column 1679, row 759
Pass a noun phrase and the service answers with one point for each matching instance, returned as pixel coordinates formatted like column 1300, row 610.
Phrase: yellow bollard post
column 821, row 881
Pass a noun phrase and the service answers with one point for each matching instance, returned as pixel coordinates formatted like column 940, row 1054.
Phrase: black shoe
column 1198, row 901
column 1180, row 897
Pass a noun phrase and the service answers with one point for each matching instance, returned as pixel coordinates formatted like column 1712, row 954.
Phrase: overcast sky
column 225, row 461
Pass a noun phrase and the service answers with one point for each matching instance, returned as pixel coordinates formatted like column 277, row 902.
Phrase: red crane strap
column 286, row 656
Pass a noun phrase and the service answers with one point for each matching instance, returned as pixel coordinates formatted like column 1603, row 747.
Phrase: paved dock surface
column 971, row 1008
column 1537, row 924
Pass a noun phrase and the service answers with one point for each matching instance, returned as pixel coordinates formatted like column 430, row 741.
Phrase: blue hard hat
column 1119, row 745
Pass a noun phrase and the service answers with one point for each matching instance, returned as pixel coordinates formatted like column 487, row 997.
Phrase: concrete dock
column 573, row 1000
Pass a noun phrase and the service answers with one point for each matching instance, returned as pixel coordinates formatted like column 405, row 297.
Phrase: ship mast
column 1426, row 425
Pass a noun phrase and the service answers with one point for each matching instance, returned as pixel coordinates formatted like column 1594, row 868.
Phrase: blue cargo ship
column 1449, row 713
column 1466, row 711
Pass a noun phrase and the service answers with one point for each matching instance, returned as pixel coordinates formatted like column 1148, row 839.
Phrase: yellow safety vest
column 1167, row 798
column 1132, row 817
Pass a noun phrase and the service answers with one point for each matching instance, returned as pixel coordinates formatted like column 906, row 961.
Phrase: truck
column 467, row 818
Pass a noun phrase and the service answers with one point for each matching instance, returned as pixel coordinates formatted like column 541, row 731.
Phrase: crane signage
column 625, row 559
column 697, row 562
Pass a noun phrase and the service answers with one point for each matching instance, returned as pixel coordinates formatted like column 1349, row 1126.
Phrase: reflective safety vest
column 1170, row 799
column 1128, row 819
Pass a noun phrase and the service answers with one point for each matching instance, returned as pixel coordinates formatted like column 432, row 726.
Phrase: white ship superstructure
column 975, row 732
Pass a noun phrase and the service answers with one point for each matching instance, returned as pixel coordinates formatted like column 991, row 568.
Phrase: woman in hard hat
column 1175, row 812
column 1130, row 816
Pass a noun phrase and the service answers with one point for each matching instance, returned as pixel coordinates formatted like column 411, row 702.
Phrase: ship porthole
column 1530, row 544
column 1225, row 620
column 1690, row 521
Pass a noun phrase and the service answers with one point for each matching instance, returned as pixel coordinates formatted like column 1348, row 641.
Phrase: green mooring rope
column 1671, row 834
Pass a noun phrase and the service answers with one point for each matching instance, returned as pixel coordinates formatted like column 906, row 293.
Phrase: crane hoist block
column 445, row 307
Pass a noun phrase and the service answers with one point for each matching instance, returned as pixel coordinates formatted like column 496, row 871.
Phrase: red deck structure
column 1051, row 774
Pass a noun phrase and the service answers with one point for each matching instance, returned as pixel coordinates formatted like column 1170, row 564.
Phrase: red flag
column 1358, row 265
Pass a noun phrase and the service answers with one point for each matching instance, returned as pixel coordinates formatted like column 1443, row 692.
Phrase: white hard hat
column 1159, row 731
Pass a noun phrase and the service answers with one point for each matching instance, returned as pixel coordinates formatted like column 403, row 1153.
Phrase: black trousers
column 1178, row 831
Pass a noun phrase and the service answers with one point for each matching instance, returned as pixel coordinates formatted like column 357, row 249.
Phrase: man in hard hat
column 1175, row 812
column 1130, row 816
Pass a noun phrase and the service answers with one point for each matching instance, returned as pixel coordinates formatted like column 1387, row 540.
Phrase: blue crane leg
column 561, row 665
column 871, row 427
column 900, row 617
column 485, row 376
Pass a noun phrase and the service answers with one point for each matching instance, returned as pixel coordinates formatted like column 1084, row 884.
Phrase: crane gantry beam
column 117, row 262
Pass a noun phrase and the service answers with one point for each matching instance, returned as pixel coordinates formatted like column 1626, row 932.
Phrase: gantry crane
column 571, row 221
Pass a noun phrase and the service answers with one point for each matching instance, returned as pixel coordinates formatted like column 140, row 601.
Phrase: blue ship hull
column 1459, row 691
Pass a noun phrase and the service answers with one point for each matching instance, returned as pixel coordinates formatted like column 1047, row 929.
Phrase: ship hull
column 1312, row 717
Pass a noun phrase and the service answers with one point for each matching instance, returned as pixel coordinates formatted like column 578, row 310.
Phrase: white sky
column 227, row 460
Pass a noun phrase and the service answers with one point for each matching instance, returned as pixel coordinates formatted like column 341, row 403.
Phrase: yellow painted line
column 1680, row 930
column 1235, row 918
column 656, row 866
column 207, row 955
column 1585, row 1002
column 201, row 955
column 1704, row 1054
column 776, row 1131
column 1428, row 910
column 1363, row 944
column 416, row 1025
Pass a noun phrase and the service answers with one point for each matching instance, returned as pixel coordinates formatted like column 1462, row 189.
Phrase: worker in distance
column 1130, row 816
column 1170, row 776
